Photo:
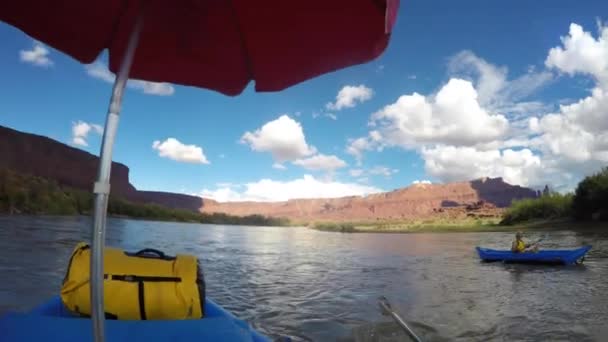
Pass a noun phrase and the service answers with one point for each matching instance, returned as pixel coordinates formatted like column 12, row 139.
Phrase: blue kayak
column 53, row 322
column 566, row 257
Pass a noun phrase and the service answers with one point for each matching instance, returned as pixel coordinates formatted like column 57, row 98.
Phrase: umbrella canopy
column 214, row 44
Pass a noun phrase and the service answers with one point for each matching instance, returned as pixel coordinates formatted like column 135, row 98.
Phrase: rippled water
column 324, row 286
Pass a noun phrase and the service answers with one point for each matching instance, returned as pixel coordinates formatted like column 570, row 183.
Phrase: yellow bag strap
column 140, row 280
column 80, row 247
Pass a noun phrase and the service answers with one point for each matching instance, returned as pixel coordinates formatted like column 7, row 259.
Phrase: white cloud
column 450, row 163
column 377, row 170
column 152, row 88
column 383, row 171
column 321, row 162
column 38, row 55
column 283, row 138
column 324, row 114
column 279, row 166
column 356, row 147
column 412, row 77
column 418, row 182
column 579, row 132
column 582, row 53
column 81, row 130
column 576, row 138
column 356, row 172
column 175, row 150
column 453, row 116
column 495, row 92
column 100, row 71
column 481, row 123
column 222, row 194
column 269, row 190
column 349, row 96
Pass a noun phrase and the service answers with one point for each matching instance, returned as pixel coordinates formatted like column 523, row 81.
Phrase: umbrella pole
column 101, row 188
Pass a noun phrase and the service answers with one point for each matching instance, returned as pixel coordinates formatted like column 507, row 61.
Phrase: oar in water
column 387, row 310
column 539, row 240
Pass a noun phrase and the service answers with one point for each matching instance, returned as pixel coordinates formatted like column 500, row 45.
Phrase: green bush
column 549, row 206
column 591, row 197
column 343, row 227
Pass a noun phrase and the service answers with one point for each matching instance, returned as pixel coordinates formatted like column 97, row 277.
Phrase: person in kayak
column 519, row 246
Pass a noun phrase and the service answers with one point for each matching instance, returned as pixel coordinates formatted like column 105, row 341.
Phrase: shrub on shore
column 552, row 206
column 589, row 202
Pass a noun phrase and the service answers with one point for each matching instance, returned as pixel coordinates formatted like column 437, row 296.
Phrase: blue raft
column 53, row 322
column 566, row 257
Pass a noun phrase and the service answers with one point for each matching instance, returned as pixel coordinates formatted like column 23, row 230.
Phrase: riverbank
column 463, row 226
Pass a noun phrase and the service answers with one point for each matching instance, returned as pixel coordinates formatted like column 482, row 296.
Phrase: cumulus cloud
column 37, row 56
column 451, row 163
column 283, row 138
column 418, row 182
column 576, row 137
column 268, row 190
column 582, row 53
column 483, row 123
column 495, row 91
column 175, row 150
column 100, row 71
column 81, row 130
column 454, row 116
column 321, row 162
column 349, row 96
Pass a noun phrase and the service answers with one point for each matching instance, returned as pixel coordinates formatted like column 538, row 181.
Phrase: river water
column 322, row 286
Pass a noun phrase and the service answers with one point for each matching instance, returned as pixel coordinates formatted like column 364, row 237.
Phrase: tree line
column 588, row 202
column 26, row 194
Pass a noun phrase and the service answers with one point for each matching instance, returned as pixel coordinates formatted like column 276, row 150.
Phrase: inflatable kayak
column 53, row 322
column 566, row 257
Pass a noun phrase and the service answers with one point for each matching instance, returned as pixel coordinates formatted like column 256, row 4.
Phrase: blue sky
column 465, row 89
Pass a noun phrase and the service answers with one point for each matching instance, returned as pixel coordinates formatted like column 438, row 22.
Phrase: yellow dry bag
column 143, row 285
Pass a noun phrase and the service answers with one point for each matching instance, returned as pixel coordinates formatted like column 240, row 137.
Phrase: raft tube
column 566, row 257
column 51, row 321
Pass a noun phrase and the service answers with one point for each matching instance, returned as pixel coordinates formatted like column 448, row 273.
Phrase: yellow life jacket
column 142, row 285
column 521, row 246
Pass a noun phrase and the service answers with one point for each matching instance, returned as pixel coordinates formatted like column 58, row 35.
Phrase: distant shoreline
column 390, row 227
column 463, row 227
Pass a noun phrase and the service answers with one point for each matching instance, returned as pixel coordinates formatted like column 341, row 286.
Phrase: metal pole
column 101, row 187
column 386, row 308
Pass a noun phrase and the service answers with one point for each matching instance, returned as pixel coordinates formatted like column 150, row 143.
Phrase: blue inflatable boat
column 53, row 322
column 566, row 257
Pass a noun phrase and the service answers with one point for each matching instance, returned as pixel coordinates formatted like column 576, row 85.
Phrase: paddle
column 539, row 240
column 387, row 310
column 536, row 243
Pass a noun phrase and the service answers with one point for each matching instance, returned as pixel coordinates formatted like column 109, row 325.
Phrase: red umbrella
column 214, row 44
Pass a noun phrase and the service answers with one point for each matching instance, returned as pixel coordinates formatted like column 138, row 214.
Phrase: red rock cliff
column 44, row 157
column 48, row 158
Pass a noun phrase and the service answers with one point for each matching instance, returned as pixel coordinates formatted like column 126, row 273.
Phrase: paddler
column 519, row 246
